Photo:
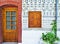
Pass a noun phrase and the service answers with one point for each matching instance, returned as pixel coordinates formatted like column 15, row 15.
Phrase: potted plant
column 51, row 37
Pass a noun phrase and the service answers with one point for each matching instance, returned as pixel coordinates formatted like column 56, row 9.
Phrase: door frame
column 19, row 6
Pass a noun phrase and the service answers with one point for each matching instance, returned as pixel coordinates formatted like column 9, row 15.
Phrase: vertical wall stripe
column 56, row 9
column 56, row 15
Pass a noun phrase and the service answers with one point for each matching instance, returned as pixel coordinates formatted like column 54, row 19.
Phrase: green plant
column 51, row 37
column 54, row 27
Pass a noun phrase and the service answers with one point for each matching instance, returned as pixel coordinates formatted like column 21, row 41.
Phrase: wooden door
column 34, row 19
column 10, row 24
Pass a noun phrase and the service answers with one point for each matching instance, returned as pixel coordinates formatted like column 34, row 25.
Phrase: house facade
column 24, row 21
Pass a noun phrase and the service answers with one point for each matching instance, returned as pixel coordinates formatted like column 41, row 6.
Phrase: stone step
column 9, row 43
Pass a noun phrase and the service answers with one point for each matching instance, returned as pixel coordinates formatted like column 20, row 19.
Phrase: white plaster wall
column 58, row 18
column 33, row 37
column 46, row 6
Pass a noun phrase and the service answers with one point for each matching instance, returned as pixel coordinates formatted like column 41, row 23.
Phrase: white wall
column 58, row 18
column 46, row 6
column 33, row 37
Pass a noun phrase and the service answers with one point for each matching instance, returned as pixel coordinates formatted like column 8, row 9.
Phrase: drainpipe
column 56, row 12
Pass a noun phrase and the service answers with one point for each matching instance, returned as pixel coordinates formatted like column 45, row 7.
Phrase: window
column 34, row 19
column 10, row 20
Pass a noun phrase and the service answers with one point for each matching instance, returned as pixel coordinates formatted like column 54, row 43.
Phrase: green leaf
column 51, row 37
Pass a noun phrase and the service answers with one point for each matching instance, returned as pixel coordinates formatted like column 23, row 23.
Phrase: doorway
column 9, row 15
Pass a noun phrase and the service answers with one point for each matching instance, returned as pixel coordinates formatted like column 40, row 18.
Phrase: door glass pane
column 13, row 13
column 8, row 18
column 8, row 23
column 13, row 27
column 13, row 23
column 13, row 18
column 8, row 27
column 7, row 13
